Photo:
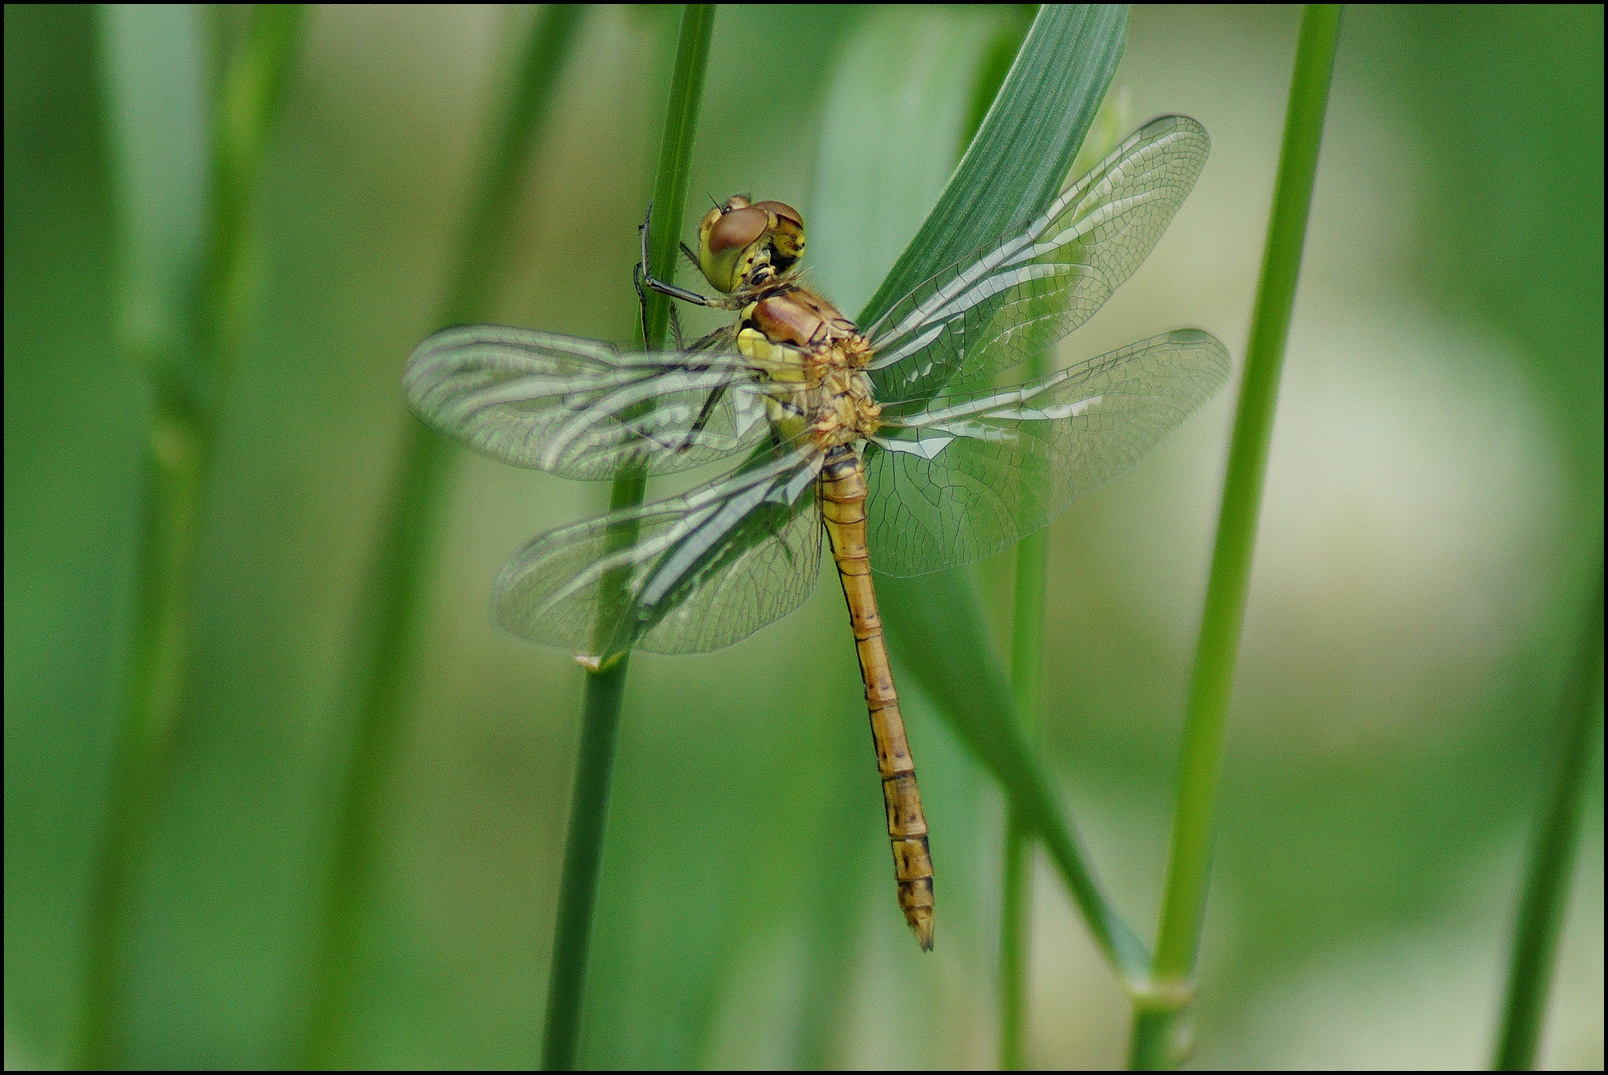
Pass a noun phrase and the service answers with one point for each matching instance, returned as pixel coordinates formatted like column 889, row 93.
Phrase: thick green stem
column 605, row 687
column 177, row 449
column 1016, row 897
column 1551, row 867
column 583, row 857
column 1016, row 901
column 1027, row 646
column 249, row 101
column 1159, row 1007
column 675, row 162
column 389, row 617
column 188, row 365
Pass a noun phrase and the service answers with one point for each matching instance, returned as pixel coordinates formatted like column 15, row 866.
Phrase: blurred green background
column 1433, row 503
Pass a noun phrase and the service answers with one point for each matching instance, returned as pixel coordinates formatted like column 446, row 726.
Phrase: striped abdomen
column 843, row 493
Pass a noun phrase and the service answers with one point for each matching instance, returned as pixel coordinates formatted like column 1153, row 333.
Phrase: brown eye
column 787, row 233
column 737, row 229
column 783, row 211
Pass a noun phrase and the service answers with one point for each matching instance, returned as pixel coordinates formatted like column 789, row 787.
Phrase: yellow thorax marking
column 826, row 388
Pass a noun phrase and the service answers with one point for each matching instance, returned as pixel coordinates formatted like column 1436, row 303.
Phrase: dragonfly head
column 742, row 243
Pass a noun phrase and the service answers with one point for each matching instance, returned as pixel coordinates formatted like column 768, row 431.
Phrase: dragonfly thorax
column 844, row 410
column 814, row 359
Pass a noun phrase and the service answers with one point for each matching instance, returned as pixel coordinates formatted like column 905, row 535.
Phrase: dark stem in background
column 1159, row 1009
column 1541, row 910
column 605, row 687
column 387, row 620
column 188, row 373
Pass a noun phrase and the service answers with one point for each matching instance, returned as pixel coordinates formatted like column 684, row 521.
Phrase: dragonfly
column 891, row 442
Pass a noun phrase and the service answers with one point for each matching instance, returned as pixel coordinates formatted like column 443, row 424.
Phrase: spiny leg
column 661, row 286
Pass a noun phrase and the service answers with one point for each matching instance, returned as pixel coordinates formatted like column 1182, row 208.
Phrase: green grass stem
column 250, row 98
column 605, row 687
column 1545, row 898
column 1016, row 899
column 1027, row 668
column 583, row 850
column 1027, row 656
column 1015, row 941
column 1159, row 1007
column 389, row 615
column 183, row 293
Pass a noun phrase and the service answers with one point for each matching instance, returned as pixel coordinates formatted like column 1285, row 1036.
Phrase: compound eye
column 737, row 229
column 787, row 234
column 782, row 210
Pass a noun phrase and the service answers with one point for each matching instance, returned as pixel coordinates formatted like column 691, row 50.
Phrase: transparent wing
column 994, row 309
column 693, row 573
column 969, row 474
column 582, row 408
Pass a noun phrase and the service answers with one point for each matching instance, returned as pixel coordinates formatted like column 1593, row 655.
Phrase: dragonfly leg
column 675, row 329
column 709, row 341
column 661, row 286
column 703, row 417
column 642, row 300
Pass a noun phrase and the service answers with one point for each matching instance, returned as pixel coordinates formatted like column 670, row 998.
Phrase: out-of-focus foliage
column 1435, row 486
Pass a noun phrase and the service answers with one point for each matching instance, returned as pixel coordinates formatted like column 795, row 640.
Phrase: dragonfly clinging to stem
column 882, row 438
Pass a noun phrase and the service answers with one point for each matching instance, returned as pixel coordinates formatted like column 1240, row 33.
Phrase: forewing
column 969, row 474
column 993, row 310
column 581, row 408
column 691, row 573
